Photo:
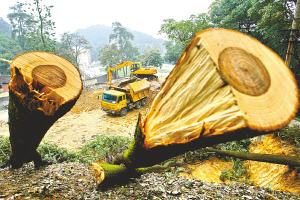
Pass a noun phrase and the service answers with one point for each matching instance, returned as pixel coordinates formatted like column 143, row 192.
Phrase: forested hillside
column 98, row 36
column 6, row 27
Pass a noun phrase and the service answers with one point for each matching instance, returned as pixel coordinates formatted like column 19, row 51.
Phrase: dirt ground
column 86, row 120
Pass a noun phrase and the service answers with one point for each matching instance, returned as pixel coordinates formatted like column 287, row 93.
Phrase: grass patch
column 101, row 147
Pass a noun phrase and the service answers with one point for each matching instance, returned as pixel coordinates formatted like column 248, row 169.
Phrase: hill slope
column 98, row 36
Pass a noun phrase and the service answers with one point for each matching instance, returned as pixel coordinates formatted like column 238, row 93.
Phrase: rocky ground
column 75, row 181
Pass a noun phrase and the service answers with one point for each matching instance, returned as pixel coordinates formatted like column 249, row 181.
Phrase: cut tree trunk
column 109, row 175
column 226, row 86
column 43, row 88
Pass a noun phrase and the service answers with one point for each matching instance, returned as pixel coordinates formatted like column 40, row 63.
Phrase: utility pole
column 293, row 36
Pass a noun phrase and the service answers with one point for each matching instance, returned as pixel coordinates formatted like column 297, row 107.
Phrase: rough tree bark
column 108, row 175
column 293, row 35
column 226, row 86
column 43, row 88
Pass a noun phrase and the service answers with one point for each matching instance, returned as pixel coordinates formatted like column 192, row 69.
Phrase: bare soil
column 86, row 120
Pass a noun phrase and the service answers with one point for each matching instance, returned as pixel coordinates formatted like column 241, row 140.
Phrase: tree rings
column 243, row 71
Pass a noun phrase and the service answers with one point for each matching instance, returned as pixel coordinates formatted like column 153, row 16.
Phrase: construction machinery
column 119, row 99
column 136, row 70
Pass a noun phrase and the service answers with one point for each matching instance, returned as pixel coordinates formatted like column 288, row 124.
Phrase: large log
column 226, row 86
column 43, row 88
column 109, row 175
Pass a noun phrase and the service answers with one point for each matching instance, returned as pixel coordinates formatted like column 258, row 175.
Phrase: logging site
column 220, row 125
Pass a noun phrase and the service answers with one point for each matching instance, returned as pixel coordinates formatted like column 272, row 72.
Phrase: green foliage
column 20, row 22
column 238, row 171
column 227, row 13
column 33, row 31
column 6, row 148
column 120, row 48
column 241, row 146
column 174, row 51
column 48, row 150
column 291, row 134
column 72, row 46
column 101, row 147
column 104, row 145
column 151, row 57
column 109, row 55
column 122, row 38
column 98, row 37
column 183, row 31
column 9, row 49
column 6, row 27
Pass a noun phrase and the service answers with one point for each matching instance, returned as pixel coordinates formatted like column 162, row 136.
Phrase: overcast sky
column 143, row 16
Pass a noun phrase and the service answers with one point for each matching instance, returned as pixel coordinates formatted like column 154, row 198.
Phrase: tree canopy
column 151, row 57
column 9, row 49
column 72, row 45
column 120, row 48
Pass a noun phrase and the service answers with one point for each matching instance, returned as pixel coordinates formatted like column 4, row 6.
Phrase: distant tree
column 72, row 45
column 122, row 38
column 109, row 55
column 6, row 27
column 152, row 57
column 183, row 31
column 130, row 52
column 19, row 21
column 40, row 35
column 9, row 49
column 174, row 51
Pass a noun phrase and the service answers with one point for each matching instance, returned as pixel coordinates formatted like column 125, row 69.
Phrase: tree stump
column 226, row 86
column 43, row 88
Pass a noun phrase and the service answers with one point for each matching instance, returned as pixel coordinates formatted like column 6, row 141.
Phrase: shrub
column 98, row 148
column 292, row 135
column 5, row 147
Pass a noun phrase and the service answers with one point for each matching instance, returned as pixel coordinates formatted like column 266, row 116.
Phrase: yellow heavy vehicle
column 135, row 70
column 118, row 100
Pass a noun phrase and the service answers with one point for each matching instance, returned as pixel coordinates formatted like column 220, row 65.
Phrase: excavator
column 135, row 71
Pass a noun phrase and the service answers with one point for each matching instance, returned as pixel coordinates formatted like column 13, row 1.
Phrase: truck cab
column 113, row 101
column 118, row 100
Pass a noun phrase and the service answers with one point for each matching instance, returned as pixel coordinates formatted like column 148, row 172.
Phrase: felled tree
column 43, row 88
column 226, row 86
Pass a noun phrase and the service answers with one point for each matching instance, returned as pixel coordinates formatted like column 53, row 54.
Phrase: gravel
column 75, row 181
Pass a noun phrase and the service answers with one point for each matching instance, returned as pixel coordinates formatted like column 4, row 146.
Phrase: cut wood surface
column 226, row 86
column 224, row 81
column 43, row 87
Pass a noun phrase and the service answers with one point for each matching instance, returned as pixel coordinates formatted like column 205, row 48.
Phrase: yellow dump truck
column 118, row 100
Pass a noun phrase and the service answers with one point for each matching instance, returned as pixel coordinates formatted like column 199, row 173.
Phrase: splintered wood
column 224, row 81
column 43, row 88
column 43, row 81
column 204, row 104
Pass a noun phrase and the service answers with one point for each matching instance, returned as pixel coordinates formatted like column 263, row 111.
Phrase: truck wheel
column 144, row 101
column 138, row 105
column 123, row 112
column 150, row 78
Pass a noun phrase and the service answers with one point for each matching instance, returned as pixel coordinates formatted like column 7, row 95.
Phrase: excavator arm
column 111, row 69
